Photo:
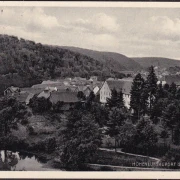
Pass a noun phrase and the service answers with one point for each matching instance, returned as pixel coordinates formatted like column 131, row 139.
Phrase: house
column 32, row 90
column 11, row 91
column 51, row 89
column 46, row 94
column 69, row 99
column 29, row 97
column 123, row 85
column 22, row 96
column 85, row 89
column 163, row 82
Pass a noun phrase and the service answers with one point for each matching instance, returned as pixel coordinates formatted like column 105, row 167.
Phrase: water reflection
column 20, row 161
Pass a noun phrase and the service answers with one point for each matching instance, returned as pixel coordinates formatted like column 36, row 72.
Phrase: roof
column 124, row 85
column 99, row 84
column 173, row 78
column 51, row 88
column 67, row 97
column 84, row 88
column 22, row 96
column 30, row 96
column 13, row 89
column 45, row 94
column 51, row 82
column 32, row 90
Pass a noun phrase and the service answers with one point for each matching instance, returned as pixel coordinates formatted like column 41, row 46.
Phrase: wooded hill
column 24, row 63
column 146, row 62
column 116, row 61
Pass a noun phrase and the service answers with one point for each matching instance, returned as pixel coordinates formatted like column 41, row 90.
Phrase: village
column 66, row 90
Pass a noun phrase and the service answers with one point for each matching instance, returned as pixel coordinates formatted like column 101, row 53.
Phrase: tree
column 100, row 114
column 145, row 137
column 177, row 135
column 159, row 103
column 10, row 113
column 81, row 95
column 136, row 95
column 90, row 99
column 171, row 116
column 164, row 134
column 178, row 94
column 40, row 105
column 120, row 100
column 116, row 119
column 126, row 134
column 172, row 90
column 157, row 111
column 112, row 102
column 151, row 87
column 81, row 140
column 160, row 92
column 166, row 87
column 58, row 106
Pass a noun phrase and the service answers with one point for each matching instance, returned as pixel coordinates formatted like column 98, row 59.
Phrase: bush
column 40, row 105
column 31, row 130
column 24, row 122
column 50, row 145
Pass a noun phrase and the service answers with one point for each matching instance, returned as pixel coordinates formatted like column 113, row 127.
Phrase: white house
column 122, row 84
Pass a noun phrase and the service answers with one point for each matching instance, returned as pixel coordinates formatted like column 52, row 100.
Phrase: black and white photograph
column 89, row 88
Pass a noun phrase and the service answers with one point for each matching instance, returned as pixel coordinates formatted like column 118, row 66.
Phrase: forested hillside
column 146, row 62
column 24, row 63
column 116, row 61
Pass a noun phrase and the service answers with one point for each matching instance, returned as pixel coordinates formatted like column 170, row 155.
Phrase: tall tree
column 178, row 94
column 160, row 92
column 120, row 100
column 151, row 87
column 116, row 119
column 10, row 112
column 172, row 90
column 81, row 140
column 145, row 137
column 164, row 134
column 112, row 101
column 159, row 103
column 136, row 95
column 171, row 116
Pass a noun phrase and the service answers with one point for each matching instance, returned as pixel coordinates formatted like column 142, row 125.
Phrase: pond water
column 20, row 161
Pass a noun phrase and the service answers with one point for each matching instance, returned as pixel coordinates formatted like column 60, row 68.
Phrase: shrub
column 24, row 122
column 31, row 130
column 40, row 105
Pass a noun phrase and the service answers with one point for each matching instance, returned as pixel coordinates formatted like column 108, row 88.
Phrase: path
column 137, row 155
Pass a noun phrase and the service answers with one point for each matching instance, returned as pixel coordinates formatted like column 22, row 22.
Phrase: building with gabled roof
column 22, row 96
column 123, row 85
column 46, row 94
column 11, row 91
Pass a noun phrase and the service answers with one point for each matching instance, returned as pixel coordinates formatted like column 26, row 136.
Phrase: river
column 21, row 161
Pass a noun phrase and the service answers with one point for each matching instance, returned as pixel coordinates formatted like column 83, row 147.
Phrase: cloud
column 19, row 32
column 163, row 28
column 98, row 23
column 28, row 18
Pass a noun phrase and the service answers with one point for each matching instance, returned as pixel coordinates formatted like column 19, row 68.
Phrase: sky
column 134, row 32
